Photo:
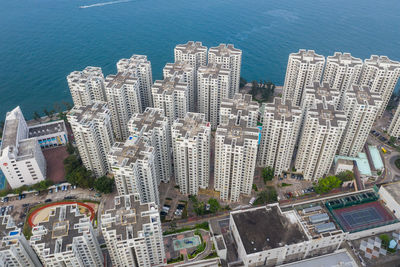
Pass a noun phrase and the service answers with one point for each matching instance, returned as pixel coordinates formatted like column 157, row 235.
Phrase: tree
column 346, row 176
column 267, row 174
column 67, row 105
column 266, row 196
column 36, row 116
column 392, row 141
column 62, row 116
column 327, row 184
column 242, row 83
column 104, row 184
column 70, row 148
column 214, row 205
column 46, row 112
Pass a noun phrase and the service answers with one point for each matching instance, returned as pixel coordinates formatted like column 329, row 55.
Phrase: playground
column 42, row 214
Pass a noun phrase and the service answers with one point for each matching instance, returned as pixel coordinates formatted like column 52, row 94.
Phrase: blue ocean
column 42, row 41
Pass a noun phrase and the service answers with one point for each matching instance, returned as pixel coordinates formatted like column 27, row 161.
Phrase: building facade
column 394, row 128
column 15, row 250
column 341, row 71
column 67, row 239
column 86, row 86
column 133, row 165
column 132, row 232
column 280, row 130
column 191, row 140
column 124, row 99
column 241, row 106
column 320, row 138
column 22, row 161
column 235, row 159
column 230, row 58
column 186, row 73
column 213, row 85
column 361, row 107
column 155, row 128
column 304, row 68
column 381, row 75
column 93, row 135
column 172, row 96
column 140, row 68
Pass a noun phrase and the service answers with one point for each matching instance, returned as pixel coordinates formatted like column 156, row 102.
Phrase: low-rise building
column 50, row 134
column 132, row 232
column 66, row 239
column 390, row 194
column 15, row 250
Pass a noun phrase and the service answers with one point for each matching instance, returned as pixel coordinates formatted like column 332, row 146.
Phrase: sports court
column 187, row 242
column 362, row 216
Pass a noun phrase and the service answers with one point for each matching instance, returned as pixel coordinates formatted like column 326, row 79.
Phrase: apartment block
column 381, row 75
column 341, row 71
column 304, row 68
column 280, row 130
column 213, row 85
column 186, row 73
column 235, row 159
column 15, row 250
column 394, row 128
column 155, row 128
column 67, row 239
column 124, row 99
column 193, row 53
column 317, row 93
column 93, row 135
column 320, row 138
column 21, row 160
column 132, row 232
column 134, row 168
column 361, row 107
column 191, row 140
column 230, row 58
column 172, row 96
column 140, row 68
column 240, row 107
column 86, row 86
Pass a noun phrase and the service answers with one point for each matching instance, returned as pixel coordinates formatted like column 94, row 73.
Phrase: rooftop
column 307, row 56
column 177, row 68
column 132, row 150
column 87, row 114
column 145, row 122
column 345, row 59
column 327, row 115
column 362, row 163
column 88, row 74
column 11, row 133
column 224, row 50
column 282, row 109
column 191, row 126
column 394, row 190
column 120, row 80
column 9, row 233
column 168, row 86
column 237, row 132
column 363, row 95
column 63, row 225
column 382, row 62
column 322, row 92
column 267, row 228
column 191, row 47
column 339, row 258
column 240, row 103
column 376, row 157
column 213, row 70
column 135, row 61
column 47, row 128
column 127, row 218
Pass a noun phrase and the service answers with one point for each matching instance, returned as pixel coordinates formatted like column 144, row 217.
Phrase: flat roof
column 267, row 228
column 394, row 190
column 339, row 258
column 376, row 157
column 362, row 163
column 47, row 128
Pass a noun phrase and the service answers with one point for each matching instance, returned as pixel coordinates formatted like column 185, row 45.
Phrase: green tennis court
column 187, row 242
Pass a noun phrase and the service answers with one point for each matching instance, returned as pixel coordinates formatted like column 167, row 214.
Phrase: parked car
column 47, row 200
column 23, row 196
column 50, row 191
column 6, row 199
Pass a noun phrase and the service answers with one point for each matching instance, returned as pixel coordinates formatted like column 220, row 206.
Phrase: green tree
column 266, row 196
column 267, row 174
column 46, row 112
column 62, row 116
column 104, row 184
column 36, row 116
column 385, row 240
column 242, row 82
column 70, row 148
column 346, row 176
column 326, row 184
column 392, row 141
column 214, row 205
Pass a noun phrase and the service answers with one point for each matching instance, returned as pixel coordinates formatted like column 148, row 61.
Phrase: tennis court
column 359, row 217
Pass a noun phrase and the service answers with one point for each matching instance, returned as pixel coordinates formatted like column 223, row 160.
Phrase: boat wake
column 106, row 3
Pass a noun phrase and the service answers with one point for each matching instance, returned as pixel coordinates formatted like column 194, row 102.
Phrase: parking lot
column 18, row 206
column 292, row 185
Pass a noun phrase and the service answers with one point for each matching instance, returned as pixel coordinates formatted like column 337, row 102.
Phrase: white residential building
column 241, row 106
column 15, row 250
column 191, row 140
column 320, row 138
column 280, row 129
column 230, row 58
column 86, row 86
column 140, row 68
column 304, row 68
column 155, row 128
column 21, row 160
column 341, row 71
column 235, row 159
column 171, row 96
column 186, row 74
column 213, row 85
column 67, row 239
column 394, row 128
column 317, row 93
column 49, row 134
column 361, row 107
column 134, row 168
column 93, row 135
column 381, row 75
column 192, row 52
column 123, row 96
column 132, row 232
